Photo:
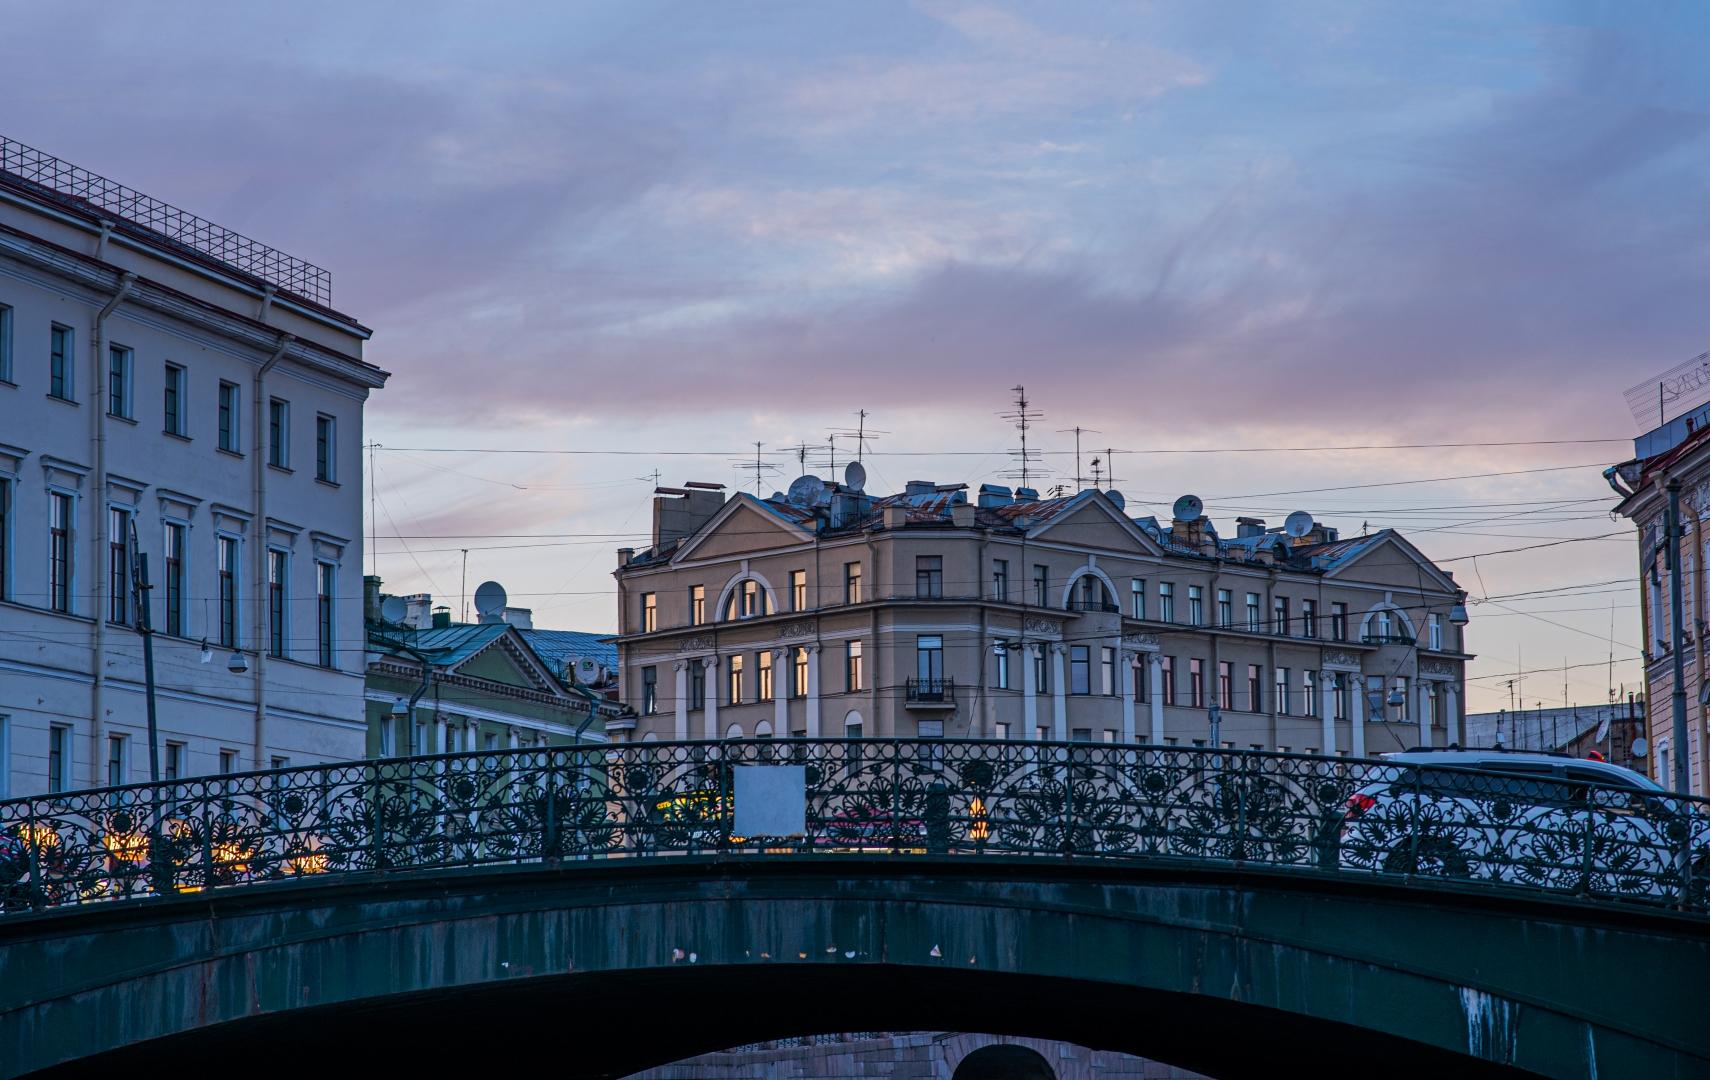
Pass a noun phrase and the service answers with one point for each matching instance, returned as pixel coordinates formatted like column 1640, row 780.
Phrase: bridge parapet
column 1430, row 826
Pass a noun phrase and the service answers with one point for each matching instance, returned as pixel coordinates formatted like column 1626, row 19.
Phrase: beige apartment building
column 829, row 612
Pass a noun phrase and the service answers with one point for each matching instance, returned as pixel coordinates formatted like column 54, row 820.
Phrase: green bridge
column 598, row 910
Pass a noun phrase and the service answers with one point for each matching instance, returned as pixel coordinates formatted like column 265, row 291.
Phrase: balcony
column 1093, row 605
column 930, row 694
column 1386, row 639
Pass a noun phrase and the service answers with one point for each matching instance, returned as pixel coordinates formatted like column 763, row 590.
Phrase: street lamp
column 237, row 665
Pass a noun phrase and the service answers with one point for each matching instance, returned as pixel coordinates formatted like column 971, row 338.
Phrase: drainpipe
column 1698, row 594
column 259, row 546
column 98, row 562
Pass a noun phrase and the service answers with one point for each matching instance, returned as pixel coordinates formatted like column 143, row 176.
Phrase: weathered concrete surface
column 643, row 962
column 915, row 1056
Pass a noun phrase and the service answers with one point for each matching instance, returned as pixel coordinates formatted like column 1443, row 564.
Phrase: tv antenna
column 861, row 433
column 1080, row 481
column 1684, row 385
column 1023, row 415
column 761, row 469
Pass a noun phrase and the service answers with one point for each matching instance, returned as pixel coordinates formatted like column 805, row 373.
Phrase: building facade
column 163, row 375
column 441, row 687
column 831, row 612
column 1676, row 452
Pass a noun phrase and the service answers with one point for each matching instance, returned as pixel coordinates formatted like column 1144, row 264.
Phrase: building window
column 697, row 605
column 118, row 566
column 929, row 576
column 1403, row 708
column 1080, row 669
column 1137, row 597
column 1140, row 673
column 1041, row 585
column 1255, row 688
column 1080, row 734
column 228, row 762
column 1434, row 626
column 1309, row 618
column 1196, row 683
column 746, row 601
column 1000, row 580
column 174, row 583
column 1094, row 596
column 649, row 690
column 765, row 672
column 279, row 433
column 324, row 612
column 697, row 684
column 1167, row 675
column 61, row 381
column 5, row 347
column 60, row 564
column 852, row 583
column 649, row 612
column 799, row 668
column 1381, row 625
column 1309, row 688
column 173, row 422
column 735, row 687
column 1041, row 671
column 119, row 381
column 116, row 746
column 798, row 590
column 1282, row 692
column 326, row 448
column 1255, row 622
column 1339, row 697
column 1225, row 609
column 176, row 765
column 1000, row 666
column 853, row 671
column 229, row 416
column 929, row 662
column 852, row 726
column 1196, row 605
column 59, row 758
column 1107, row 671
column 1226, row 684
column 1339, row 622
column 278, row 565
column 228, row 571
column 1279, row 616
column 1166, row 601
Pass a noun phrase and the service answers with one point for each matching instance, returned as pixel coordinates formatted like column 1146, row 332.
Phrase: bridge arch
column 1163, row 963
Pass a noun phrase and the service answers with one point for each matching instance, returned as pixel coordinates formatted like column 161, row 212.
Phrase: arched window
column 746, row 601
column 734, row 731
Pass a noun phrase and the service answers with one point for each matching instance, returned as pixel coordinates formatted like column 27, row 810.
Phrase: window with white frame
column 119, row 359
column 1080, row 669
column 798, row 590
column 172, row 583
column 1196, row 605
column 1255, row 618
column 118, row 565
column 325, row 582
column 1137, row 598
column 854, row 670
column 763, row 673
column 1434, row 624
column 734, row 687
column 230, row 416
column 5, row 343
column 278, row 618
column 1107, row 671
column 172, row 403
column 649, row 612
column 175, row 766
column 649, row 690
column 1309, row 680
column 228, row 570
column 1000, row 580
column 59, row 758
column 697, row 605
column 1225, row 609
column 1000, row 666
column 1166, row 601
column 1281, row 694
column 118, row 747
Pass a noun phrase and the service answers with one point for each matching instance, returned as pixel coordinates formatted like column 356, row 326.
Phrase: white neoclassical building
column 161, row 374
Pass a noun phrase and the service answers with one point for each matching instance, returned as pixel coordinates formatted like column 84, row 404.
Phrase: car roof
column 1501, row 760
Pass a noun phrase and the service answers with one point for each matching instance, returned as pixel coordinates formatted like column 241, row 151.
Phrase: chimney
column 520, row 617
column 418, row 610
column 680, row 512
column 624, row 555
column 441, row 618
column 895, row 517
column 962, row 515
column 371, row 598
column 1249, row 526
column 920, row 487
column 994, row 495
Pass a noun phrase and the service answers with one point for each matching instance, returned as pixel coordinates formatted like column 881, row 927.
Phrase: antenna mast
column 1027, row 461
column 759, row 467
column 1080, row 481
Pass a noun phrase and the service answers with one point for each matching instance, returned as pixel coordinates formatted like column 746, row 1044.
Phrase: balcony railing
column 1386, row 639
column 930, row 693
column 1093, row 605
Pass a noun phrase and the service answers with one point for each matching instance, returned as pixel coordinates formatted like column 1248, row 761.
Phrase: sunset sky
column 1227, row 237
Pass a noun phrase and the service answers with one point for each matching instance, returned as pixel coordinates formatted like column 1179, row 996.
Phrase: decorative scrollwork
column 908, row 797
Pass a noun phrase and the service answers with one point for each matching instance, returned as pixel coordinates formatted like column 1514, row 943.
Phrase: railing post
column 1069, row 801
column 726, row 805
column 549, row 839
column 896, row 796
column 38, row 898
column 1241, row 779
column 208, row 878
column 1413, row 820
column 375, row 842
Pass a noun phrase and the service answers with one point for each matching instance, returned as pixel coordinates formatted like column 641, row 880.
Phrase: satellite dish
column 490, row 598
column 804, row 490
column 1641, row 747
column 1188, row 508
column 855, row 476
column 1298, row 524
column 393, row 609
column 1602, row 731
column 1116, row 497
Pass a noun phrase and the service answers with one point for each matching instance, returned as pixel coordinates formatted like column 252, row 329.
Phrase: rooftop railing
column 1103, row 804
column 177, row 227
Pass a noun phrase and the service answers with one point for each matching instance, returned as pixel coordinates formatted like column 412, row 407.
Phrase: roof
column 448, row 646
column 556, row 646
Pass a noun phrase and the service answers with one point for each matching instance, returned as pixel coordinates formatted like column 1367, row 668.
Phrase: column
column 1422, row 710
column 713, row 676
column 1125, row 689
column 1452, row 712
column 1357, row 720
column 1327, row 712
column 1155, row 664
column 682, row 710
column 780, row 700
column 1059, row 695
column 813, row 691
column 1030, row 690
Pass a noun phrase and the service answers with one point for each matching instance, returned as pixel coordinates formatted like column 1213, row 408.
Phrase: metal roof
column 556, row 646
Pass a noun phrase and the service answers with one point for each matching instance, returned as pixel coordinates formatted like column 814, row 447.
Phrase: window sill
column 121, row 419
column 62, row 400
column 229, row 453
column 281, row 468
column 8, row 382
column 328, row 483
column 179, row 435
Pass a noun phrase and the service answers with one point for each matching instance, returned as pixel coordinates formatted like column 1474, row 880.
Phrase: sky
column 596, row 241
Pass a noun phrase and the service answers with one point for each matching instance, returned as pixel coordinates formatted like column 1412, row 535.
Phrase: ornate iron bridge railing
column 1071, row 801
